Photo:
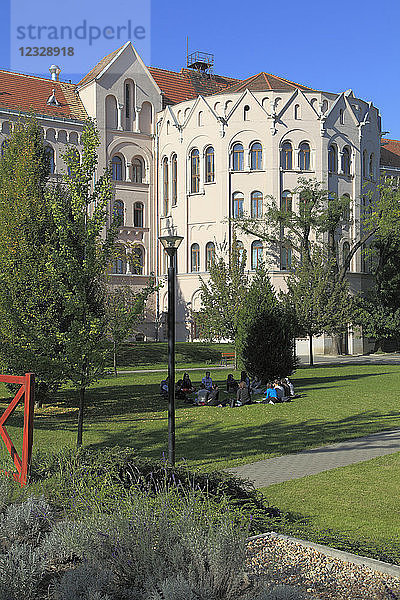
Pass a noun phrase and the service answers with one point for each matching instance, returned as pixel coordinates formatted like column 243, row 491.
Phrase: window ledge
column 200, row 193
column 210, row 182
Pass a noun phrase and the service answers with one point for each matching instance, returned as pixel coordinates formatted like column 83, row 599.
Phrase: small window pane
column 238, row 157
column 256, row 157
column 116, row 168
column 256, row 205
column 210, row 172
column 286, row 156
column 304, row 157
column 195, row 258
column 138, row 214
column 195, row 171
column 256, row 255
column 238, row 201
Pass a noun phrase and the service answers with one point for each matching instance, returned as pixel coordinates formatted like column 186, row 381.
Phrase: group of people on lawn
column 238, row 393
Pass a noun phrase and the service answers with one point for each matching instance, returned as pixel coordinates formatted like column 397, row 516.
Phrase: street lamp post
column 171, row 244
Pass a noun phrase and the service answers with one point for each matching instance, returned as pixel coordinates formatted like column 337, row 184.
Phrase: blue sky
column 330, row 46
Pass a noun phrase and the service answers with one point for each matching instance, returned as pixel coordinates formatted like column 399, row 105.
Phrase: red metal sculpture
column 27, row 389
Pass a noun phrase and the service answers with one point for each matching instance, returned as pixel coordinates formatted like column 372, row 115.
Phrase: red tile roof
column 390, row 153
column 176, row 87
column 188, row 84
column 28, row 93
column 263, row 82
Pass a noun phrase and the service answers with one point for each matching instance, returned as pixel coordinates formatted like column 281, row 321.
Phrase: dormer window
column 52, row 100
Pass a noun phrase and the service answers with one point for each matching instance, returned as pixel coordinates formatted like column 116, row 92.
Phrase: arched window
column 346, row 250
column 341, row 116
column 116, row 168
column 138, row 210
column 286, row 257
column 237, row 153
column 195, row 258
column 332, row 159
column 137, row 170
column 49, row 150
column 256, row 157
column 165, row 185
column 210, row 255
column 4, row 147
column 119, row 211
column 130, row 102
column 146, row 118
column 138, row 261
column 111, row 113
column 246, row 113
column 240, row 248
column 167, row 127
column 194, row 171
column 256, row 254
column 286, row 156
column 304, row 156
column 286, row 201
column 256, row 205
column 346, row 160
column 119, row 264
column 371, row 167
column 237, row 204
column 365, row 164
column 297, row 111
column 210, row 168
column 200, row 119
column 174, row 177
column 346, row 210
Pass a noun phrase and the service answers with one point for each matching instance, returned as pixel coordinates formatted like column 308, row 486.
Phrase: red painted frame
column 27, row 389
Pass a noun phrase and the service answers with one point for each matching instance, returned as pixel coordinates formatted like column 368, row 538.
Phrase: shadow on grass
column 213, row 442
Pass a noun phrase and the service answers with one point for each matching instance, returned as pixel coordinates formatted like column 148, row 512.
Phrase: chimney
column 55, row 72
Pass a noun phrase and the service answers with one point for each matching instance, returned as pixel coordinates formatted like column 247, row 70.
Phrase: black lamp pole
column 171, row 244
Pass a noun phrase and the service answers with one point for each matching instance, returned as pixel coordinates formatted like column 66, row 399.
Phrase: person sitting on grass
column 286, row 390
column 280, row 392
column 187, row 385
column 207, row 381
column 242, row 395
column 164, row 388
column 179, row 393
column 213, row 398
column 244, row 377
column 201, row 396
column 256, row 386
column 270, row 395
column 231, row 384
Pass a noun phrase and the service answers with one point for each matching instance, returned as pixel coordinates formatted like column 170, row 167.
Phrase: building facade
column 189, row 151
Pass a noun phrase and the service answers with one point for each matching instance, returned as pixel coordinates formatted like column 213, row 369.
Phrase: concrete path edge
column 371, row 563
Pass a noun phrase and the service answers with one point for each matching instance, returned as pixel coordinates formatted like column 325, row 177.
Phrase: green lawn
column 337, row 403
column 154, row 355
column 357, row 502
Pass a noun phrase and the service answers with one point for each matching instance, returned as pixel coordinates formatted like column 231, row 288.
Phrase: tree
column 222, row 296
column 321, row 302
column 315, row 227
column 30, row 319
column 266, row 332
column 78, row 262
column 124, row 310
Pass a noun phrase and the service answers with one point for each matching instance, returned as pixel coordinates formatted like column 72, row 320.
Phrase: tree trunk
column 338, row 343
column 311, row 362
column 80, row 416
column 115, row 358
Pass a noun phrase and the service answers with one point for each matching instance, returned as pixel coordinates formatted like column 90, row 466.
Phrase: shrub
column 26, row 522
column 21, row 569
column 266, row 332
column 85, row 582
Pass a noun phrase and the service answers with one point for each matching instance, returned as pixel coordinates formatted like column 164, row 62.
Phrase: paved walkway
column 316, row 460
column 319, row 359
